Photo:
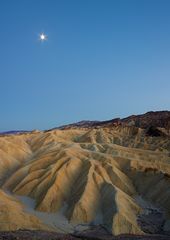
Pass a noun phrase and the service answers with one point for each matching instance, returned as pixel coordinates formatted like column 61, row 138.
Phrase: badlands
column 114, row 174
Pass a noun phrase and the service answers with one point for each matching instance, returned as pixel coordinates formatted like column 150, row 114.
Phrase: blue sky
column 103, row 59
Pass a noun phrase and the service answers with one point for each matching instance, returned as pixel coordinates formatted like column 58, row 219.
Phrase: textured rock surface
column 42, row 235
column 159, row 119
column 151, row 221
column 93, row 176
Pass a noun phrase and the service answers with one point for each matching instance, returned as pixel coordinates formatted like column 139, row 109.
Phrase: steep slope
column 114, row 176
column 13, row 216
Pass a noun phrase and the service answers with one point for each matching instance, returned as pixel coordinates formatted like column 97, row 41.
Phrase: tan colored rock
column 91, row 175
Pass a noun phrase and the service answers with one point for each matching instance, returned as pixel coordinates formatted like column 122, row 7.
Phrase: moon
column 42, row 37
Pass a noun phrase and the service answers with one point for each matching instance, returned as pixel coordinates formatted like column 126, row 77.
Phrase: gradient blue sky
column 103, row 59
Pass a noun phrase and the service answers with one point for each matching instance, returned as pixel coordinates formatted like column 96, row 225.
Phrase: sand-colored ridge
column 95, row 175
column 13, row 215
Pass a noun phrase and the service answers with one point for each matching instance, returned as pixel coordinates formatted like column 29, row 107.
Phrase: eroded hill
column 116, row 176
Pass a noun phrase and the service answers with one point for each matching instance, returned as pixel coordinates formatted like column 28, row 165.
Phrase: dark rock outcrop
column 158, row 119
column 154, row 132
column 43, row 235
column 151, row 221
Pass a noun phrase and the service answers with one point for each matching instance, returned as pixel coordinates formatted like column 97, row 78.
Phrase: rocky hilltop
column 114, row 174
column 160, row 119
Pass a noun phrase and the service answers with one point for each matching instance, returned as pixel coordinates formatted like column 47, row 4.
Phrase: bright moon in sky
column 42, row 37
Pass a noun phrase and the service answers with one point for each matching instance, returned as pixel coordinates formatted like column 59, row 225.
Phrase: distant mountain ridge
column 156, row 119
column 160, row 119
column 14, row 132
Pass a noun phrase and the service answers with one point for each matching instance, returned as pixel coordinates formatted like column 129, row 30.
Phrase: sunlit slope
column 96, row 175
column 14, row 217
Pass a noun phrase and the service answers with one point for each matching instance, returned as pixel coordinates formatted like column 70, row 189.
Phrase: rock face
column 151, row 220
column 44, row 235
column 154, row 132
column 103, row 176
column 159, row 119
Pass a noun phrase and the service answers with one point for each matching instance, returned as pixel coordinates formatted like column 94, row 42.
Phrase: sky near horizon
column 103, row 59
